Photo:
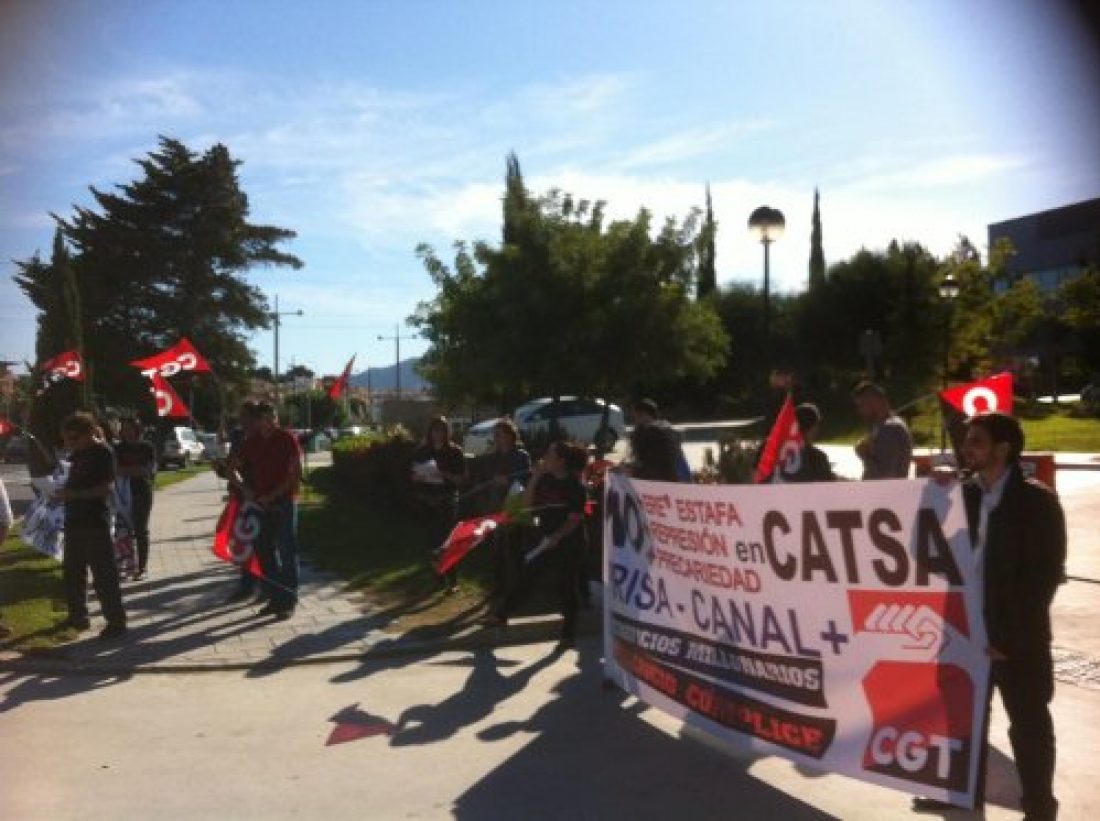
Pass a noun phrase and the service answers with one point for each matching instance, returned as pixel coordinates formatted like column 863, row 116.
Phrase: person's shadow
column 591, row 755
column 483, row 690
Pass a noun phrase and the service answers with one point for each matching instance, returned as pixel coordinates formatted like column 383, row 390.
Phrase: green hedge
column 375, row 466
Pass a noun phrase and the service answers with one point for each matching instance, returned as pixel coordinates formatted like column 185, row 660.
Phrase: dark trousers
column 277, row 551
column 560, row 565
column 440, row 514
column 91, row 547
column 1026, row 684
column 141, row 505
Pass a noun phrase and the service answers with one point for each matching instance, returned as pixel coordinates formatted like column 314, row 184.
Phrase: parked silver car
column 581, row 419
column 179, row 446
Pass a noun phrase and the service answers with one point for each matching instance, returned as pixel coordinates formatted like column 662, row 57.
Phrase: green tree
column 708, row 275
column 567, row 305
column 817, row 252
column 163, row 257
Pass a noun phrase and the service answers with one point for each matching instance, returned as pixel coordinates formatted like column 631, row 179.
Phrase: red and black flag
column 466, row 535
column 961, row 402
column 782, row 452
column 67, row 365
column 341, row 384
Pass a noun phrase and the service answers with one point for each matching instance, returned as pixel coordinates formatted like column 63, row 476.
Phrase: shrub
column 375, row 466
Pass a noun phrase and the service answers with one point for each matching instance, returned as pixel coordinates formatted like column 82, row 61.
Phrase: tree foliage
column 568, row 303
column 159, row 258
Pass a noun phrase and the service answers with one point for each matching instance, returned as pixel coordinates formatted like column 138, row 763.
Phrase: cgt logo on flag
column 67, row 365
column 180, row 357
column 236, row 534
column 782, row 454
column 168, row 402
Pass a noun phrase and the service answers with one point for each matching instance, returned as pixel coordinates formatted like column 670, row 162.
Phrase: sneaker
column 140, row 575
column 285, row 614
column 113, row 631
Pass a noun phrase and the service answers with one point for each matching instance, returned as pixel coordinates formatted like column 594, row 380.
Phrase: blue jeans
column 277, row 550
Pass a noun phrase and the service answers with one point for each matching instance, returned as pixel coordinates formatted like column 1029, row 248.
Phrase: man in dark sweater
column 88, row 527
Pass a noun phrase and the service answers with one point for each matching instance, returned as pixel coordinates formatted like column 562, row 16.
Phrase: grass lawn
column 31, row 597
column 382, row 553
column 1044, row 429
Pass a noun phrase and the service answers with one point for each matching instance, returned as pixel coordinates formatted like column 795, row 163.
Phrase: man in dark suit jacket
column 1019, row 533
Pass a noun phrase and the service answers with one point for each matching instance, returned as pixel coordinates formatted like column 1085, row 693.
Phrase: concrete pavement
column 514, row 733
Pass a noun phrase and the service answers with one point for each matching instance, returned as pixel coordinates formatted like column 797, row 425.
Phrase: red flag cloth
column 67, row 365
column 180, row 357
column 783, row 450
column 983, row 396
column 973, row 399
column 341, row 384
column 236, row 533
column 467, row 535
column 168, row 402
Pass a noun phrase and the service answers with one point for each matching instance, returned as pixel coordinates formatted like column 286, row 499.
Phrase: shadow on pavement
column 349, row 631
column 45, row 687
column 591, row 756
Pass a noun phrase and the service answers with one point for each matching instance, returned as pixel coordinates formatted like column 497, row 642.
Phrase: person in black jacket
column 1019, row 534
column 814, row 465
column 137, row 462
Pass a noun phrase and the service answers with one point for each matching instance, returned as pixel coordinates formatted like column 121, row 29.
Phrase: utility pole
column 276, row 317
column 397, row 354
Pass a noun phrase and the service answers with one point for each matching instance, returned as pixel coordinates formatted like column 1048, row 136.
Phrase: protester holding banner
column 88, row 542
column 814, row 465
column 557, row 497
column 655, row 449
column 137, row 462
column 272, row 460
column 5, row 526
column 438, row 467
column 888, row 449
column 1019, row 533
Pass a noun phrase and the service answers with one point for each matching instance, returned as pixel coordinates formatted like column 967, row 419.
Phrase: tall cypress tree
column 817, row 253
column 708, row 276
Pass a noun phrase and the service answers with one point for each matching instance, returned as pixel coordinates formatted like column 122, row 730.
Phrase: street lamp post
column 397, row 337
column 949, row 292
column 767, row 226
column 276, row 317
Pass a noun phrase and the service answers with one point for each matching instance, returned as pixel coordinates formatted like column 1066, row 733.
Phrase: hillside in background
column 385, row 379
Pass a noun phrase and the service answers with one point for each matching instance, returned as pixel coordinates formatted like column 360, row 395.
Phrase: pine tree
column 708, row 276
column 160, row 258
column 817, row 253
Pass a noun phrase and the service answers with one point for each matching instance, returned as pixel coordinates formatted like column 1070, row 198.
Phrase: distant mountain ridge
column 385, row 379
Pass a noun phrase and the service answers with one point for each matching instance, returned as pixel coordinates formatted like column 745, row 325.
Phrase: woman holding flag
column 557, row 497
column 438, row 467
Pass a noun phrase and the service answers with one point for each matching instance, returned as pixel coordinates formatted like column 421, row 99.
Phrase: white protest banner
column 838, row 625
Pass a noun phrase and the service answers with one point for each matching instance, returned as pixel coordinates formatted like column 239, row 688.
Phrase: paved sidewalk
column 180, row 620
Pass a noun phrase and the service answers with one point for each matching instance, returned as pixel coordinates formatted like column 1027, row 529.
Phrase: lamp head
column 767, row 224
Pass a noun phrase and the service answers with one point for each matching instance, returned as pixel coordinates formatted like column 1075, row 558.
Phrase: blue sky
column 368, row 127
